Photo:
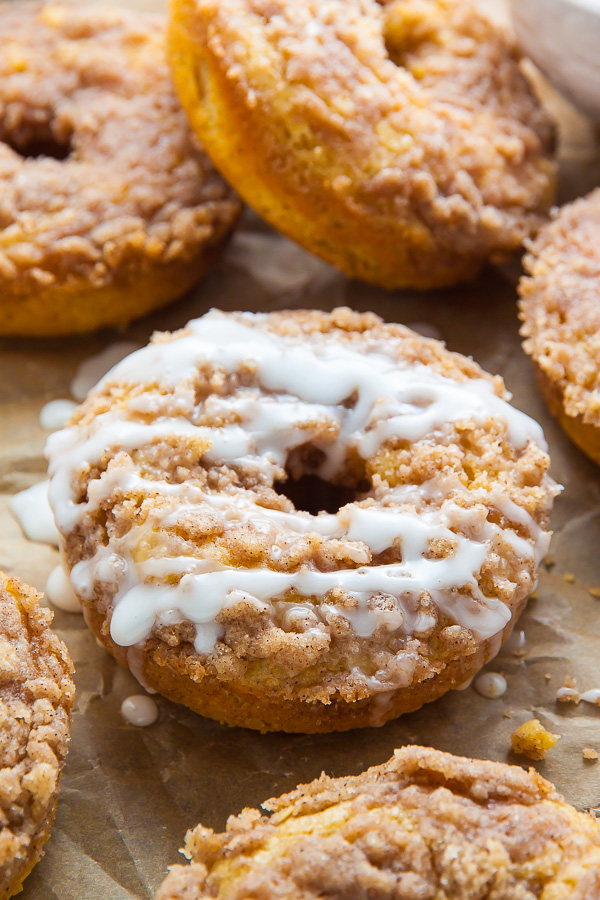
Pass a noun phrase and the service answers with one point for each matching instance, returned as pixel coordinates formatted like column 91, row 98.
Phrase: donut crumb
column 533, row 740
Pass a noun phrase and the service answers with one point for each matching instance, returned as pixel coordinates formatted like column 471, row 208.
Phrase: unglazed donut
column 424, row 826
column 36, row 696
column 135, row 214
column 193, row 569
column 399, row 141
column 560, row 309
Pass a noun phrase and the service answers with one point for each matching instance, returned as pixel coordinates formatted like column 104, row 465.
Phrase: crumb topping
column 36, row 695
column 560, row 306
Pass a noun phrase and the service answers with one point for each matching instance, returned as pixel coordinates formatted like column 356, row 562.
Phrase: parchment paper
column 129, row 794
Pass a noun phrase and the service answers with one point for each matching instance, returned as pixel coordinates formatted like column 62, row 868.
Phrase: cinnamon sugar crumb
column 533, row 740
column 589, row 753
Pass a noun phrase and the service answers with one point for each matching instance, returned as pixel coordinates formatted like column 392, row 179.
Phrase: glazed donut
column 36, row 696
column 233, row 599
column 425, row 825
column 560, row 310
column 135, row 214
column 399, row 141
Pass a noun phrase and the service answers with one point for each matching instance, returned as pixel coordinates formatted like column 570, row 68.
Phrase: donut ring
column 36, row 696
column 400, row 142
column 135, row 214
column 560, row 310
column 194, row 570
column 425, row 824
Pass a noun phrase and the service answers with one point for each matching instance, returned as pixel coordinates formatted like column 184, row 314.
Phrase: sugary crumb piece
column 506, row 714
column 533, row 740
column 594, row 592
column 547, row 676
column 569, row 577
column 589, row 753
column 549, row 562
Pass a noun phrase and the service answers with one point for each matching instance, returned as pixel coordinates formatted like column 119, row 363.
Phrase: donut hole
column 312, row 494
column 39, row 144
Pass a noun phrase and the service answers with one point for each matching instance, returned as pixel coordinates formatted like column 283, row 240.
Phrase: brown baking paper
column 129, row 794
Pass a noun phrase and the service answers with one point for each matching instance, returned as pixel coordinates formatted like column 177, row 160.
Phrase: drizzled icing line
column 309, row 385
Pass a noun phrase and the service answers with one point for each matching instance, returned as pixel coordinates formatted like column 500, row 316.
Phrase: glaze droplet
column 60, row 593
column 56, row 414
column 32, row 511
column 139, row 710
column 491, row 685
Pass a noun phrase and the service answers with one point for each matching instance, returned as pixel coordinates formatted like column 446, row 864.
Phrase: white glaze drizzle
column 32, row 511
column 310, row 383
column 56, row 413
column 60, row 593
column 135, row 664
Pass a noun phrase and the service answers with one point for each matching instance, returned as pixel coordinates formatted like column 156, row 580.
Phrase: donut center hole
column 37, row 146
column 311, row 494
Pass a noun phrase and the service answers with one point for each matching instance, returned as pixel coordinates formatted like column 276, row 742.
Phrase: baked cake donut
column 135, row 213
column 560, row 309
column 424, row 826
column 36, row 695
column 399, row 141
column 194, row 568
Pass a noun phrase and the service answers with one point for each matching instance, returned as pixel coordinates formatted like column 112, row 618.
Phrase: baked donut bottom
column 232, row 704
column 584, row 434
column 79, row 307
column 36, row 676
column 425, row 825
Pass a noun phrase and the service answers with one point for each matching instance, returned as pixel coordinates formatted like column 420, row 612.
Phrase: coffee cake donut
column 36, row 695
column 247, row 607
column 399, row 140
column 135, row 213
column 424, row 826
column 560, row 309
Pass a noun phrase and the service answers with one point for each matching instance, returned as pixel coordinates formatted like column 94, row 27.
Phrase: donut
column 108, row 207
column 36, row 696
column 399, row 141
column 560, row 311
column 424, row 826
column 300, row 521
